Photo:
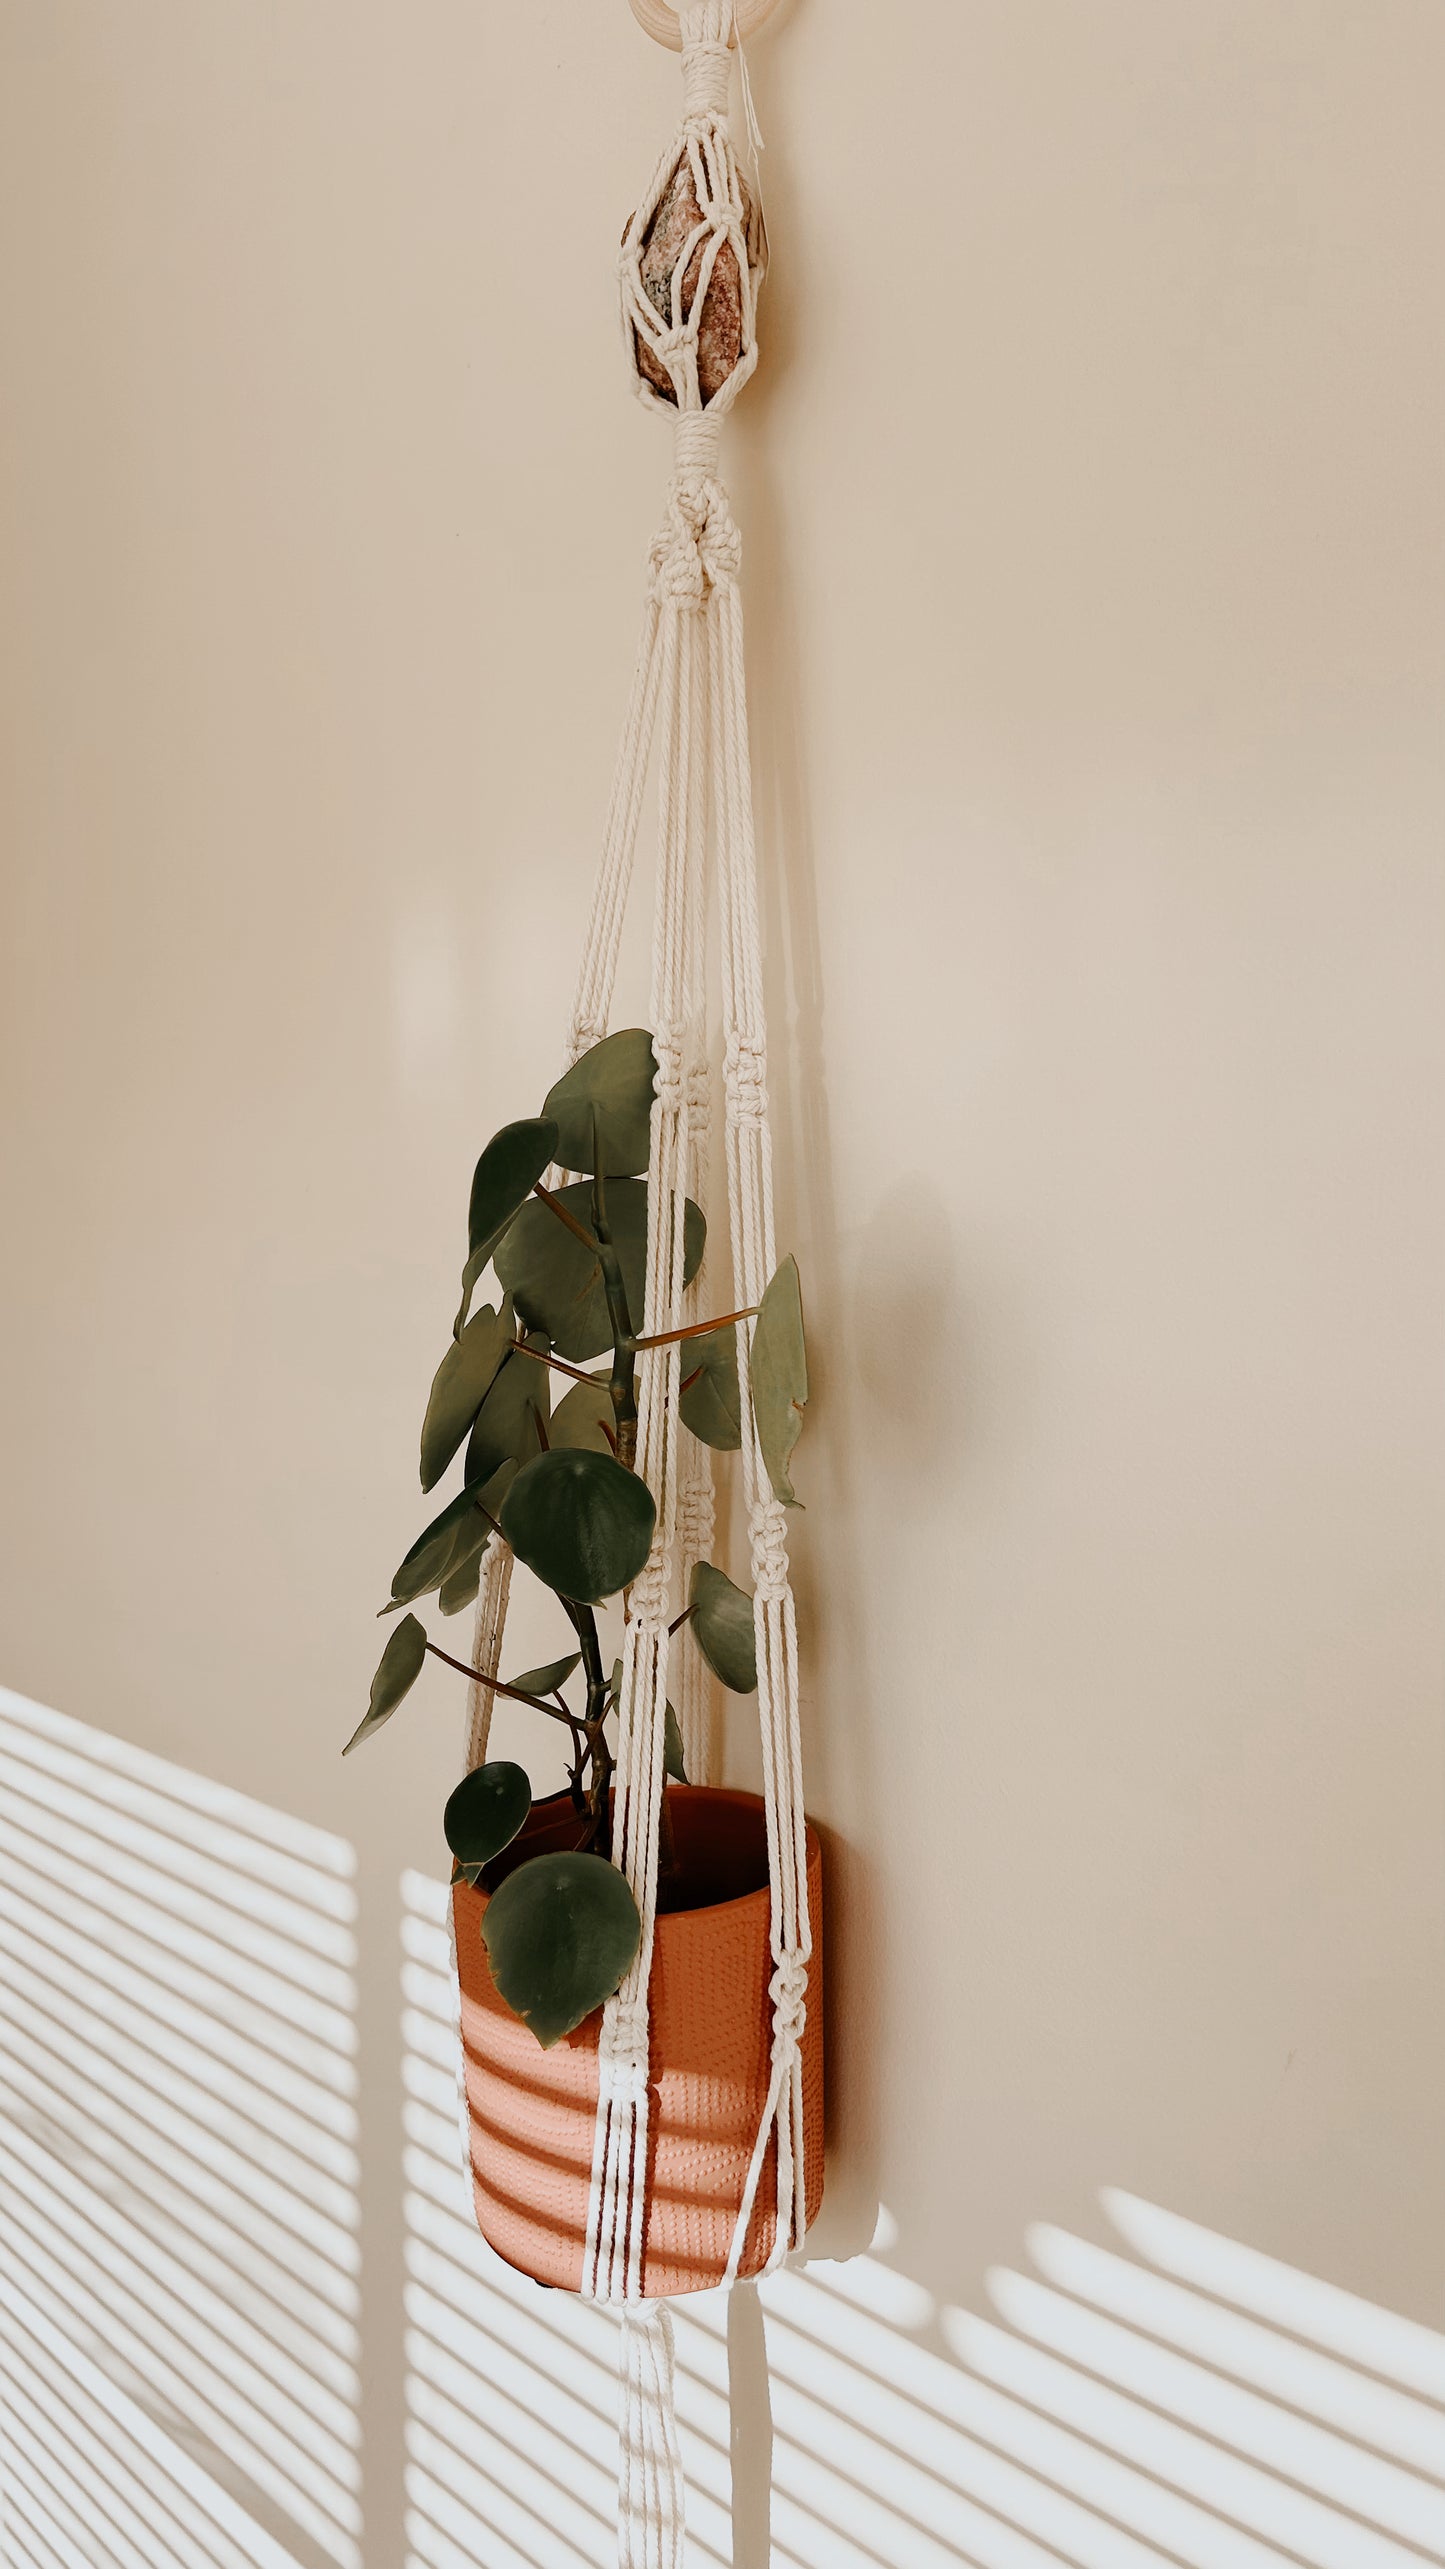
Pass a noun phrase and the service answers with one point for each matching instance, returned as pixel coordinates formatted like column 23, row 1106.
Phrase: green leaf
column 712, row 1404
column 556, row 1278
column 503, row 1179
column 450, row 1539
column 560, row 1932
column 779, row 1376
column 722, row 1619
column 397, row 1672
column 545, row 1681
column 474, row 1531
column 506, row 1428
column 461, row 1383
column 459, row 1588
column 485, row 1813
column 585, row 1418
column 580, row 1521
column 615, row 1081
column 430, row 1557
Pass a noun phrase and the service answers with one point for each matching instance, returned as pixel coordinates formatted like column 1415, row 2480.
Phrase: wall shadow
column 179, row 2288
column 179, row 2312
column 1170, row 2397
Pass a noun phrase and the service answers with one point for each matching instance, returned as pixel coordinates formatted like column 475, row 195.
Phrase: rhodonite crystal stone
column 720, row 324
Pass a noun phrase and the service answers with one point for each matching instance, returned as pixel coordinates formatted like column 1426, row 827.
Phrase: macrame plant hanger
column 691, row 266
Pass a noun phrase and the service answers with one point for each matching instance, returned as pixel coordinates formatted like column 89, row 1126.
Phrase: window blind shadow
column 1171, row 2397
column 178, row 2171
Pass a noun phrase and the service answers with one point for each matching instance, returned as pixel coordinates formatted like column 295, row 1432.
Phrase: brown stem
column 558, row 1364
column 553, row 1206
column 623, row 1385
column 698, row 1328
column 579, row 1745
column 514, row 1694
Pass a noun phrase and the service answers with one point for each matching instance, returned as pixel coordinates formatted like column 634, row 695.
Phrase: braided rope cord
column 688, row 700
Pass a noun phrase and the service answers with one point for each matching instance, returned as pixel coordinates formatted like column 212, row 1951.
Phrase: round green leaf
column 397, row 1673
column 460, row 1385
column 779, row 1376
column 711, row 1401
column 504, row 1178
column 585, row 1418
column 485, row 1813
column 722, row 1620
column 560, row 1933
column 556, row 1278
column 545, row 1681
column 614, row 1082
column 580, row 1521
column 506, row 1428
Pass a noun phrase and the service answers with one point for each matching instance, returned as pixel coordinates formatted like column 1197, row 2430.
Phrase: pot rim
column 738, row 1793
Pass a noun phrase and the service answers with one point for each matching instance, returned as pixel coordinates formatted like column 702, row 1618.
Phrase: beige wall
column 1092, row 493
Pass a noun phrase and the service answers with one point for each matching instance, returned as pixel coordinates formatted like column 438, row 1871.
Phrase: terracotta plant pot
column 532, row 2111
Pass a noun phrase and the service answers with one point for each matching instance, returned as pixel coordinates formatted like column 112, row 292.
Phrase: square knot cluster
column 746, row 1065
column 648, row 1596
column 698, row 547
column 692, row 259
column 623, row 2044
column 767, row 1527
column 583, row 1033
column 667, row 1053
column 788, row 1990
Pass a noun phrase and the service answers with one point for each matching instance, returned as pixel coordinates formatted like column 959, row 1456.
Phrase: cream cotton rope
column 688, row 702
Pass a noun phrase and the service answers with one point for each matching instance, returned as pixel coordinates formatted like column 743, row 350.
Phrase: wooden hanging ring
column 661, row 21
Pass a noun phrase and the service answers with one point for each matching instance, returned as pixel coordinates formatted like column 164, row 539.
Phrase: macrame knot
column 696, row 444
column 706, row 28
column 676, row 558
column 696, row 1516
column 747, row 1078
column 706, row 80
column 768, row 1528
column 667, row 1052
column 788, row 1990
column 720, row 544
column 648, row 1598
column 623, row 2043
column 582, row 1034
column 698, row 546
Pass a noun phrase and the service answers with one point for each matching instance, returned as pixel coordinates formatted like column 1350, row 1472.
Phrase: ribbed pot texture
column 532, row 2112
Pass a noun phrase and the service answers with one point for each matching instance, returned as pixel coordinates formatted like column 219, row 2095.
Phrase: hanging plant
column 560, row 1486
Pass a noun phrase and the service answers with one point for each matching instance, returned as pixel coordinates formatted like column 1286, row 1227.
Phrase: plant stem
column 513, row 1694
column 599, row 1755
column 558, row 1364
column 623, row 1385
column 698, row 1328
column 554, row 1206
